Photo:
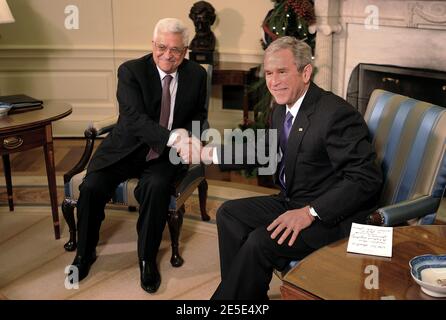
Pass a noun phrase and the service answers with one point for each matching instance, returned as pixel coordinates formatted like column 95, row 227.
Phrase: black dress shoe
column 150, row 277
column 83, row 264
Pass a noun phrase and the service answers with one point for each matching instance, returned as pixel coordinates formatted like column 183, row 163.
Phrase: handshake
column 190, row 148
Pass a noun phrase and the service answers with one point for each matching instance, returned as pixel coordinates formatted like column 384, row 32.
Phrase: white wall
column 40, row 57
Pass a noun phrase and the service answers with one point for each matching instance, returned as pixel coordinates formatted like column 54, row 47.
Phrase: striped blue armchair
column 124, row 194
column 410, row 139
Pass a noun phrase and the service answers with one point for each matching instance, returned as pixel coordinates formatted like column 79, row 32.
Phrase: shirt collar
column 294, row 109
column 163, row 74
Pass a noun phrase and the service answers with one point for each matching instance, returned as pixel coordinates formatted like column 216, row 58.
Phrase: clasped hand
column 191, row 149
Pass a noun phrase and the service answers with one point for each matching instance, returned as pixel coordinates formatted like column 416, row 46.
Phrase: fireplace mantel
column 406, row 33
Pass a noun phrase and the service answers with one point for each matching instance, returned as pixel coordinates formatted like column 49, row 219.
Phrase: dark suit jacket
column 330, row 165
column 139, row 97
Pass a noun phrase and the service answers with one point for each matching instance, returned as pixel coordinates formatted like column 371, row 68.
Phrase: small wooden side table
column 331, row 273
column 28, row 130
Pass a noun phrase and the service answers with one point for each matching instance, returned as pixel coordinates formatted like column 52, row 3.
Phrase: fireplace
column 421, row 84
column 399, row 46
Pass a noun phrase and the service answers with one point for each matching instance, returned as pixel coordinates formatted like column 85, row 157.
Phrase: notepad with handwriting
column 371, row 240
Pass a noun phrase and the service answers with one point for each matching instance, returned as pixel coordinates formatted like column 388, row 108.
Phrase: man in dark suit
column 157, row 93
column 327, row 174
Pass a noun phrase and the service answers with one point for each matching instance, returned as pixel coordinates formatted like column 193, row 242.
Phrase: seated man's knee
column 226, row 210
column 259, row 238
column 93, row 185
column 155, row 185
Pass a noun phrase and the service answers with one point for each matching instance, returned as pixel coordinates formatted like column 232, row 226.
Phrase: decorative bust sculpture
column 203, row 15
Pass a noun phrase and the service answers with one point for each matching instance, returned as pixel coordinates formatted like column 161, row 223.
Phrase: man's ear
column 308, row 70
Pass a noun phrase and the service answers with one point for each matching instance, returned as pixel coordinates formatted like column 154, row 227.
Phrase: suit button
column 287, row 199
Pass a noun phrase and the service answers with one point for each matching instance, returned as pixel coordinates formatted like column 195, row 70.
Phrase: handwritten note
column 372, row 240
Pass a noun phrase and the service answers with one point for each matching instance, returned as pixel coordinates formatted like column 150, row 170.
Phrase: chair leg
column 175, row 221
column 203, row 197
column 68, row 214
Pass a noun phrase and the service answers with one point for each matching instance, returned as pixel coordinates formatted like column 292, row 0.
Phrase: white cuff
column 173, row 136
column 214, row 156
column 313, row 212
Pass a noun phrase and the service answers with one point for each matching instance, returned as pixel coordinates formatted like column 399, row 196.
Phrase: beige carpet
column 32, row 263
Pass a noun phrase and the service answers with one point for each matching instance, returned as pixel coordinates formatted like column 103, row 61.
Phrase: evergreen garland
column 287, row 18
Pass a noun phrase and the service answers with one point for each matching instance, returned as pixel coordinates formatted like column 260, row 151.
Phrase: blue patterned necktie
column 287, row 124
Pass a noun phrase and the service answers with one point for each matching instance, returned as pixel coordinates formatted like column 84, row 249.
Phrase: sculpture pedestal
column 206, row 57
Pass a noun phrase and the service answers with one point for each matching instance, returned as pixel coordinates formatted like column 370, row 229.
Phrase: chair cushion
column 124, row 193
column 71, row 188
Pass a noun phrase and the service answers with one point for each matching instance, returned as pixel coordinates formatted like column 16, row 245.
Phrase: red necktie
column 165, row 112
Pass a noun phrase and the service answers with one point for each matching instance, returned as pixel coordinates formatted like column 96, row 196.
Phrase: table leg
column 7, row 169
column 51, row 174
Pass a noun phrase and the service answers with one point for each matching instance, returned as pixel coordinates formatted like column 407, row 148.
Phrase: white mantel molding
column 327, row 23
column 336, row 18
column 427, row 15
column 392, row 13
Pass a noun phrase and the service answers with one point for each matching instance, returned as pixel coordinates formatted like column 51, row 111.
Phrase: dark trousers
column 155, row 186
column 248, row 255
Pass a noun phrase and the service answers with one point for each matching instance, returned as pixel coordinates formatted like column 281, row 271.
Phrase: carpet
column 33, row 191
column 32, row 263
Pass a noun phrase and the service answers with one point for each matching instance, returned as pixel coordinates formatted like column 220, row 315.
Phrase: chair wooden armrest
column 94, row 130
column 103, row 126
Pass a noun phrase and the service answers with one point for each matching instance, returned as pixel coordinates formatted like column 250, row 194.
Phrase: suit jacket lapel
column 298, row 130
column 182, row 83
column 154, row 84
column 280, row 119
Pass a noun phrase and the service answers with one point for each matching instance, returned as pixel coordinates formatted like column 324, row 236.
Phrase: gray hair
column 172, row 25
column 300, row 49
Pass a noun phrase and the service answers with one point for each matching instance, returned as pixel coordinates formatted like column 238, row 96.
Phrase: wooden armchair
column 124, row 194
